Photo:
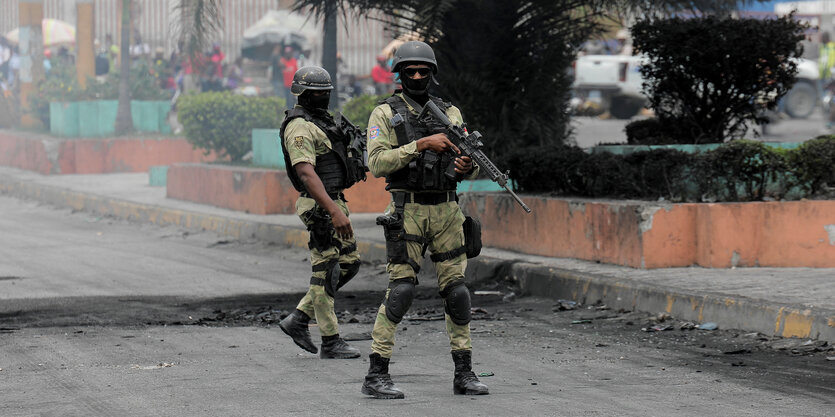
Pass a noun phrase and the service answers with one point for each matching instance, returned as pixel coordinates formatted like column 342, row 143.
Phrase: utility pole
column 30, row 48
column 85, row 60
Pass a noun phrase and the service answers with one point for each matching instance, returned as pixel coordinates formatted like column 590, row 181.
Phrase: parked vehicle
column 616, row 80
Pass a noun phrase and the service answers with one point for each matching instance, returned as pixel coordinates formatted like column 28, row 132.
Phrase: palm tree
column 327, row 11
column 199, row 21
column 124, row 120
column 513, row 51
column 503, row 61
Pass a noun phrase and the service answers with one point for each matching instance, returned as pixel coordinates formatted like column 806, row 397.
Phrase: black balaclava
column 311, row 102
column 416, row 89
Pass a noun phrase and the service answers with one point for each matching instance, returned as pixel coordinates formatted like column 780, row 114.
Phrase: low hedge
column 740, row 170
column 359, row 109
column 223, row 121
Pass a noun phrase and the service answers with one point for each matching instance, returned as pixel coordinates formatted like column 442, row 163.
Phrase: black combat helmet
column 310, row 78
column 414, row 51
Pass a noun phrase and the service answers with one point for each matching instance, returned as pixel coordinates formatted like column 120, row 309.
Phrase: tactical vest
column 426, row 172
column 330, row 167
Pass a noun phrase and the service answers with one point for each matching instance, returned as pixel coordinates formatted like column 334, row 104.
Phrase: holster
column 321, row 229
column 394, row 230
column 472, row 236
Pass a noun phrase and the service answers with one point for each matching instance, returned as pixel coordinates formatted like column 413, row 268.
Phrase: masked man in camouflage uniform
column 413, row 155
column 320, row 166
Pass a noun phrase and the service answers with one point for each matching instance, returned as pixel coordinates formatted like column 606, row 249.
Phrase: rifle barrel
column 518, row 200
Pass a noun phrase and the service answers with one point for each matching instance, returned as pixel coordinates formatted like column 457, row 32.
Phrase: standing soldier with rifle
column 414, row 155
column 324, row 156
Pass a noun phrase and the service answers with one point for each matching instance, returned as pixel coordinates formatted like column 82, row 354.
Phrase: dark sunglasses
column 410, row 72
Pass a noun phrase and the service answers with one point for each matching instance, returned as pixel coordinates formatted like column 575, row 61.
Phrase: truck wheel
column 625, row 107
column 801, row 100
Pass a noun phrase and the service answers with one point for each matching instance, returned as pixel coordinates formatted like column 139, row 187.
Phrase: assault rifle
column 470, row 145
column 356, row 149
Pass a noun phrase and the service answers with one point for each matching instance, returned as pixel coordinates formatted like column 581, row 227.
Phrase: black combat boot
column 465, row 381
column 334, row 347
column 378, row 381
column 295, row 326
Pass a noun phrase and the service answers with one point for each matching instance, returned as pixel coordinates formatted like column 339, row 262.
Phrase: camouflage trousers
column 317, row 303
column 442, row 225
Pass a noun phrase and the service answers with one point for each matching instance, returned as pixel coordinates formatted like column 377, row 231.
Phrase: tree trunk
column 124, row 120
column 329, row 50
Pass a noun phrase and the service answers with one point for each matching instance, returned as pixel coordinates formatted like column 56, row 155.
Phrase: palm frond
column 199, row 22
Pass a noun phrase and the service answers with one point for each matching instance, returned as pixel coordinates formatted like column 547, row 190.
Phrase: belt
column 334, row 196
column 429, row 198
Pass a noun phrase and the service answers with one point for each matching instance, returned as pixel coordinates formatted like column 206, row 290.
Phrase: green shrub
column 708, row 77
column 646, row 132
column 61, row 85
column 544, row 168
column 739, row 171
column 605, row 175
column 663, row 173
column 359, row 108
column 223, row 122
column 813, row 166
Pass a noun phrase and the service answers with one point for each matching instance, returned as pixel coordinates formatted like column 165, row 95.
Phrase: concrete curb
column 731, row 311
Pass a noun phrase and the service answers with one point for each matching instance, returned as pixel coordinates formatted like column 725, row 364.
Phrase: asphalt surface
column 590, row 131
column 103, row 316
column 774, row 301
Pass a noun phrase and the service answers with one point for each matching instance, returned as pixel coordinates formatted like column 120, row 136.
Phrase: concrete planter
column 55, row 155
column 267, row 191
column 653, row 235
column 629, row 149
column 97, row 118
column 258, row 190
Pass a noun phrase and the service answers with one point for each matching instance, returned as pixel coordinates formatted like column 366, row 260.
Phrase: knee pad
column 401, row 294
column 349, row 271
column 333, row 273
column 457, row 303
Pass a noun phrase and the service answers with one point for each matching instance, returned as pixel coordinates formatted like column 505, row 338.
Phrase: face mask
column 415, row 87
column 313, row 102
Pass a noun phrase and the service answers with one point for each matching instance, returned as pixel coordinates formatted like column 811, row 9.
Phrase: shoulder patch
column 373, row 132
column 299, row 142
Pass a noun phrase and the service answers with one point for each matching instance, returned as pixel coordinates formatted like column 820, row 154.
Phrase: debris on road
column 707, row 326
column 564, row 305
column 487, row 373
column 657, row 328
column 157, row 366
column 737, row 352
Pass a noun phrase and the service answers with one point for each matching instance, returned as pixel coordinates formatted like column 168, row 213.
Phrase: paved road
column 101, row 317
column 590, row 131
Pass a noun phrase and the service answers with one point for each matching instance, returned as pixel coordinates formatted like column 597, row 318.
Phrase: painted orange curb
column 52, row 155
column 259, row 191
column 650, row 235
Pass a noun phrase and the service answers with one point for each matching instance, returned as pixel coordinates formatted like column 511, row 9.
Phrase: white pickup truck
column 617, row 80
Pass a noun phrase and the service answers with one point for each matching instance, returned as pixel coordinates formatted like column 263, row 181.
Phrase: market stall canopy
column 55, row 32
column 278, row 27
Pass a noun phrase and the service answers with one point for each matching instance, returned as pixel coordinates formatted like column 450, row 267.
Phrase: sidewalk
column 776, row 301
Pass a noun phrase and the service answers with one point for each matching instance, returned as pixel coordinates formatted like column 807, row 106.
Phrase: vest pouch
column 414, row 174
column 430, row 163
column 472, row 236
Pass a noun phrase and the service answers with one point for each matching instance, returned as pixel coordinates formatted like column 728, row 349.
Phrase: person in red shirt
column 289, row 66
column 383, row 77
